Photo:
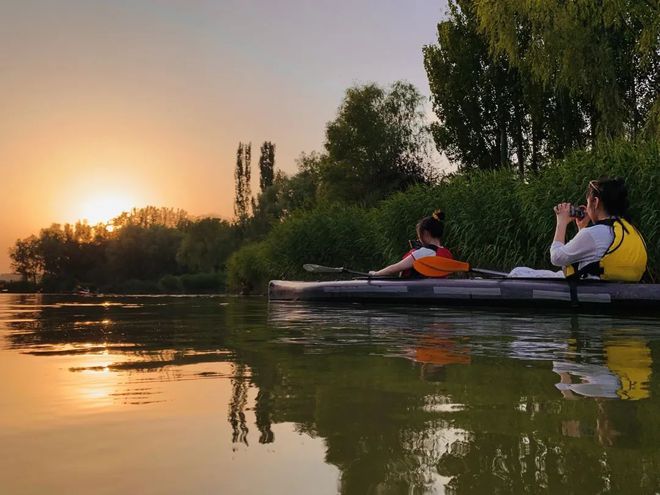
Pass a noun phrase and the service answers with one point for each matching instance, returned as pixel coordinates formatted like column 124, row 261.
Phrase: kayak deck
column 453, row 292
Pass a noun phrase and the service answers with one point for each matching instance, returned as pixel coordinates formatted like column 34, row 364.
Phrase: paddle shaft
column 438, row 266
column 328, row 269
column 488, row 272
column 331, row 269
column 363, row 274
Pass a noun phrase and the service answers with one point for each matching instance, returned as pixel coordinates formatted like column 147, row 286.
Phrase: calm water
column 173, row 395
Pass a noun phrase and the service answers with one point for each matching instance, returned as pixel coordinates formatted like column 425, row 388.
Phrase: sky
column 107, row 105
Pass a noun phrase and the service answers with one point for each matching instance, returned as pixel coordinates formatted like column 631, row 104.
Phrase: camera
column 577, row 212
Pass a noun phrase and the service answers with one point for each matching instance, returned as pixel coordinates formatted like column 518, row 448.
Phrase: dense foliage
column 604, row 53
column 376, row 145
column 517, row 82
column 145, row 250
column 494, row 219
column 491, row 113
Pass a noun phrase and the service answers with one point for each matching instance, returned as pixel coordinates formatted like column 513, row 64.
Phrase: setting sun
column 104, row 207
column 102, row 193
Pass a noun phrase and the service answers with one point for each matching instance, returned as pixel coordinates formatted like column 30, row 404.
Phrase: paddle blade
column 437, row 266
column 321, row 269
column 429, row 271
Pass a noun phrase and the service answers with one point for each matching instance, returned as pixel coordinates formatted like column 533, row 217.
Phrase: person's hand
column 372, row 273
column 584, row 221
column 563, row 212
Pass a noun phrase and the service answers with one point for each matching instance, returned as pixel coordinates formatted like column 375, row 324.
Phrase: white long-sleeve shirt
column 589, row 245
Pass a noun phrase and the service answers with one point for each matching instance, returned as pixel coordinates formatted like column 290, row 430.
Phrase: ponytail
column 434, row 224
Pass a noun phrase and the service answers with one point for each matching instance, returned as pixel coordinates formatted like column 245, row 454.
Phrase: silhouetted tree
column 242, row 176
column 266, row 165
column 143, row 253
column 152, row 215
column 206, row 245
column 25, row 258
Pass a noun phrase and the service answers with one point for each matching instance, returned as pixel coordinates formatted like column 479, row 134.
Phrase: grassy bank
column 494, row 219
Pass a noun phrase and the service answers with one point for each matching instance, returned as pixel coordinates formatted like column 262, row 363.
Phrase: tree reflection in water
column 237, row 405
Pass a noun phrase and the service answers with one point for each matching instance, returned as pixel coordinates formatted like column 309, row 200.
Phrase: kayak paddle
column 437, row 266
column 330, row 269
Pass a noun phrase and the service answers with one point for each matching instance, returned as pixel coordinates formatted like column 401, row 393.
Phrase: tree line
column 144, row 250
column 514, row 86
column 518, row 83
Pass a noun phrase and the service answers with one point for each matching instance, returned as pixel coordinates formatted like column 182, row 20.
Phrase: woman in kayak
column 606, row 246
column 429, row 234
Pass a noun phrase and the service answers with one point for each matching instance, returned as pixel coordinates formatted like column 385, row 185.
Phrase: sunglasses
column 594, row 185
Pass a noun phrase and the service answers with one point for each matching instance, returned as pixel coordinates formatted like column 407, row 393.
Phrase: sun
column 103, row 207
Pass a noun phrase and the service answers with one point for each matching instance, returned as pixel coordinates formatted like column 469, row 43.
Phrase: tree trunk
column 534, row 165
column 504, row 145
column 520, row 151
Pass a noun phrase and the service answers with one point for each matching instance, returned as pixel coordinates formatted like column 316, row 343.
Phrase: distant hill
column 10, row 277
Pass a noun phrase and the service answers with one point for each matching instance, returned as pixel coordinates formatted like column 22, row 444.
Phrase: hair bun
column 438, row 215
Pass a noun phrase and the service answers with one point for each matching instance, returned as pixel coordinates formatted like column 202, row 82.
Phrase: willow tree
column 606, row 53
column 492, row 114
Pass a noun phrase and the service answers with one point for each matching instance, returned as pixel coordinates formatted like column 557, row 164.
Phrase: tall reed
column 494, row 219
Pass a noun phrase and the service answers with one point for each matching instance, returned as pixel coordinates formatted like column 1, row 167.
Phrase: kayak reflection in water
column 614, row 423
column 606, row 246
column 429, row 243
column 594, row 380
column 436, row 353
column 625, row 375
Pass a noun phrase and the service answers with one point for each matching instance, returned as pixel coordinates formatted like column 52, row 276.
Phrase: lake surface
column 173, row 395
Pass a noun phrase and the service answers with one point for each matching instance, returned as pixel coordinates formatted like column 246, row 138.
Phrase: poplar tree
column 266, row 165
column 242, row 176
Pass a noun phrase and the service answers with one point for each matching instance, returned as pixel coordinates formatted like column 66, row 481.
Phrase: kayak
column 587, row 294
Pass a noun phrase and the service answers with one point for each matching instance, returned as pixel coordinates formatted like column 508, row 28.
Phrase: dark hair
column 613, row 193
column 434, row 224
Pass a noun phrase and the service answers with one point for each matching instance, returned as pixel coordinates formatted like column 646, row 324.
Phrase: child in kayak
column 606, row 246
column 429, row 233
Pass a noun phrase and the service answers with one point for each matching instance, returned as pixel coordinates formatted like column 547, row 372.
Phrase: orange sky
column 109, row 105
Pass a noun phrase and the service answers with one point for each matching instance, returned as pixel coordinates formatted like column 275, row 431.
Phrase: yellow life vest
column 624, row 261
column 631, row 360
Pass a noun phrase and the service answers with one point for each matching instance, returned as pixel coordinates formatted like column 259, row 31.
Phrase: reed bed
column 494, row 219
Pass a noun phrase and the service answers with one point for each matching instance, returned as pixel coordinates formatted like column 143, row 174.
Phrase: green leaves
column 520, row 83
column 603, row 53
column 491, row 112
column 206, row 245
column 376, row 145
column 494, row 219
